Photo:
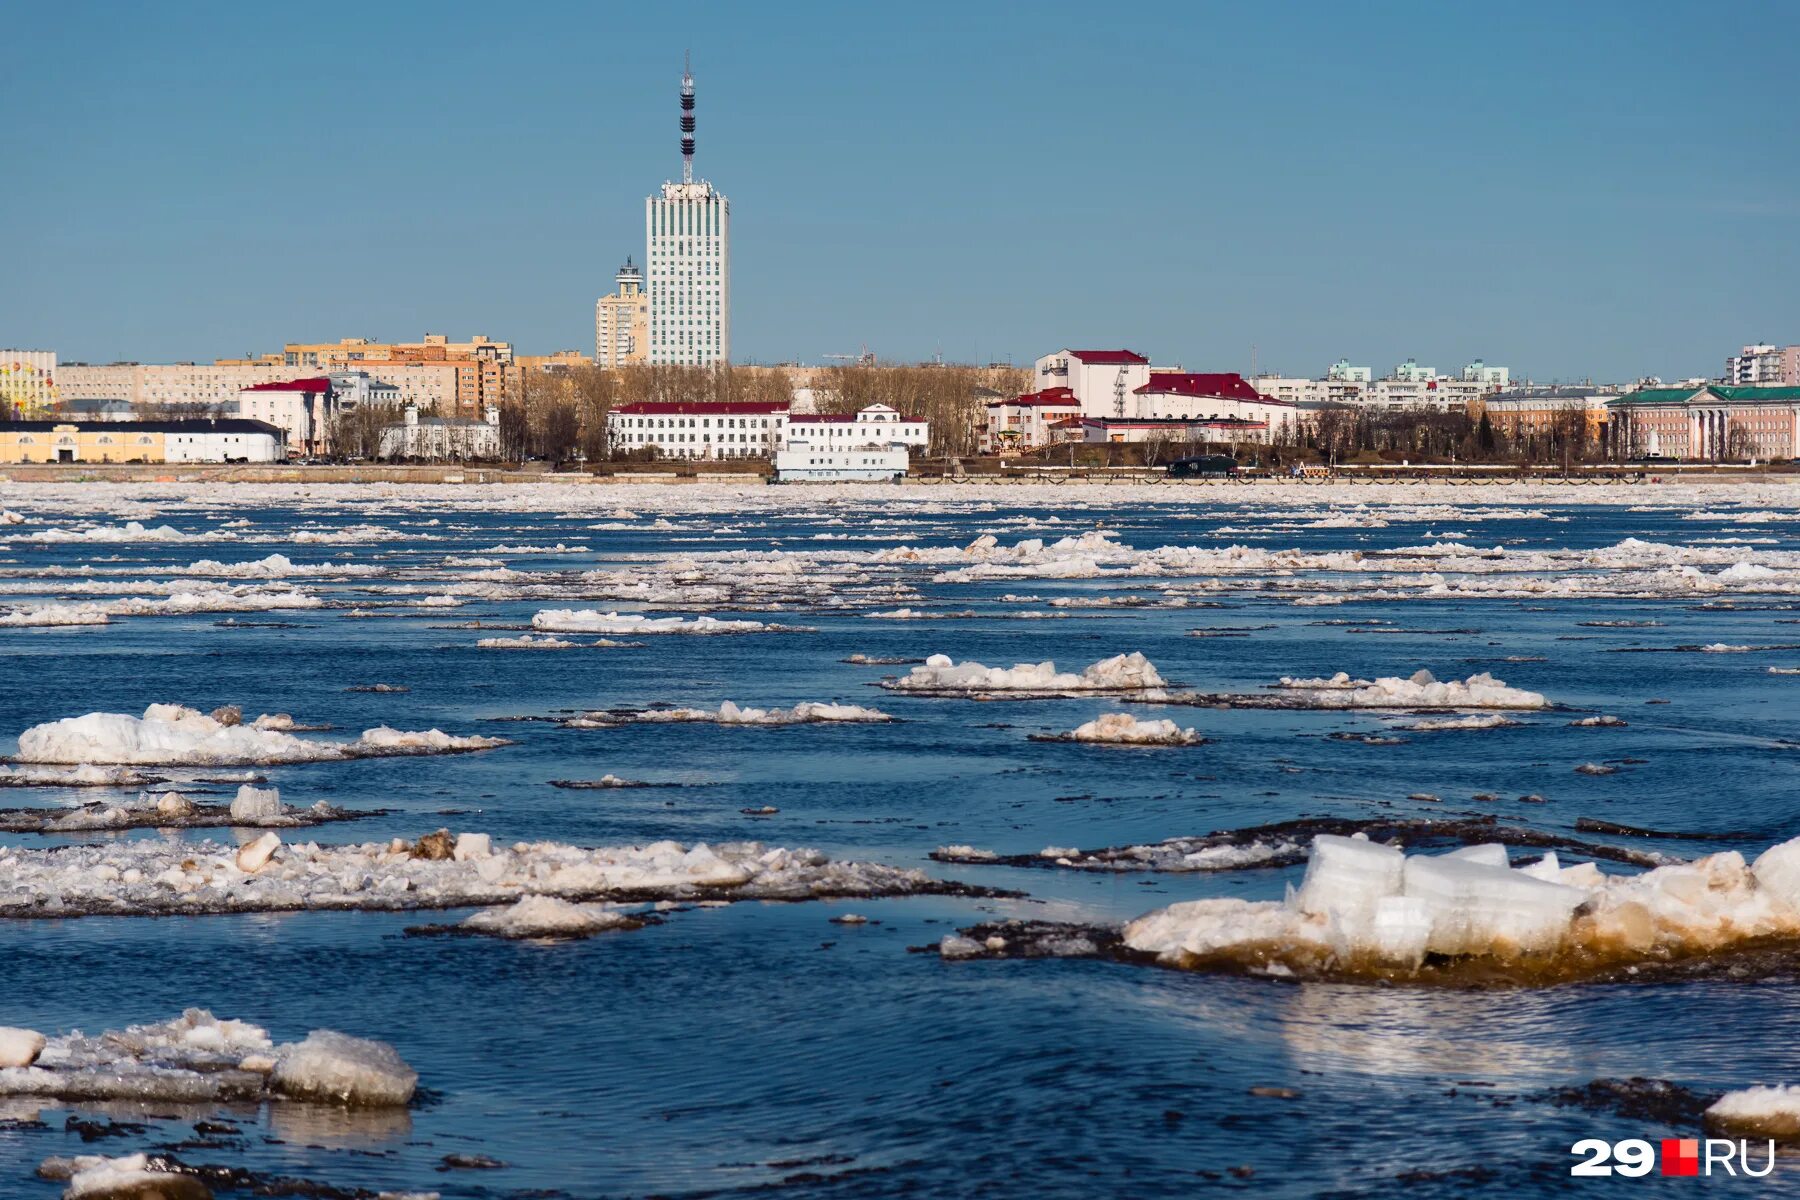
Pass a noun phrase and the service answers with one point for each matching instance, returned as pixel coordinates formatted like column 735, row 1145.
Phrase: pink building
column 1716, row 423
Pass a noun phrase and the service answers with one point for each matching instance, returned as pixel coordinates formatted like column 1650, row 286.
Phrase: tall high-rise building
column 687, row 230
column 622, row 321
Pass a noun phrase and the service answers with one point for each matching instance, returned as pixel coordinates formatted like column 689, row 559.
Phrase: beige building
column 622, row 321
column 431, row 386
column 484, row 370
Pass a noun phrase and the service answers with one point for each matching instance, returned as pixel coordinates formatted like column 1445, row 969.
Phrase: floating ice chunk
column 256, row 804
column 169, row 734
column 53, row 615
column 1124, row 729
column 133, row 1177
column 587, row 620
column 1421, row 690
column 332, row 1066
column 1347, row 875
column 1745, row 572
column 1472, row 721
column 1763, row 1112
column 728, row 713
column 524, row 642
column 1492, row 853
column 84, row 775
column 954, row 945
column 1481, row 908
column 147, row 878
column 471, row 847
column 254, row 856
column 1122, row 672
column 19, row 1047
column 966, row 853
column 547, row 917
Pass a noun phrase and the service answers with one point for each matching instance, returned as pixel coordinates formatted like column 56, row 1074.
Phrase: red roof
column 1228, row 422
column 1222, row 385
column 1109, row 357
column 728, row 408
column 1056, row 397
column 317, row 383
column 804, row 418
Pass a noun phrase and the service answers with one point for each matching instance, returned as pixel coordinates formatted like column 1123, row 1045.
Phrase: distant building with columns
column 1714, row 423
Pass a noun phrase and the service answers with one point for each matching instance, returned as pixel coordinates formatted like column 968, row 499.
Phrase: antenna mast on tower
column 687, row 119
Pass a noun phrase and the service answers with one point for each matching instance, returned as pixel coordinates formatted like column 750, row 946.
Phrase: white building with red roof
column 1102, row 380
column 878, row 424
column 1214, row 397
column 1027, row 422
column 676, row 429
column 301, row 408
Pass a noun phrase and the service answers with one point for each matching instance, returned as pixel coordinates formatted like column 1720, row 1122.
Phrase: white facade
column 1028, row 422
column 223, row 441
column 875, row 425
column 1101, row 380
column 687, row 231
column 301, row 408
column 1760, row 365
column 1480, row 372
column 27, row 381
column 1342, row 372
column 809, row 462
column 743, row 429
column 442, row 438
column 354, row 389
column 1172, row 396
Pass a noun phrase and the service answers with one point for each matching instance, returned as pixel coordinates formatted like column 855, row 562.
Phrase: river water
column 760, row 1047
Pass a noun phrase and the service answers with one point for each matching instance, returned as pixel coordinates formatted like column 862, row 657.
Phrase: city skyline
column 1528, row 199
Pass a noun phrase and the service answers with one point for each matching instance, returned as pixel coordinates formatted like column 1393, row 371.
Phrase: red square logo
column 1680, row 1156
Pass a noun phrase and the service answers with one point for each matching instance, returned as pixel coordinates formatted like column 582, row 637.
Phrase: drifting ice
column 172, row 735
column 547, row 917
column 1365, row 908
column 198, row 1058
column 1122, row 672
column 149, row 878
column 56, row 615
column 1123, row 729
column 728, row 713
column 1767, row 1112
column 1421, row 690
column 587, row 620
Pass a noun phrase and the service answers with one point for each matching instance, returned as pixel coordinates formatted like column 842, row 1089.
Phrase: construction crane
column 865, row 359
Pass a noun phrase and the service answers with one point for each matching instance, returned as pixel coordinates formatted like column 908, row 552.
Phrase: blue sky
column 1604, row 189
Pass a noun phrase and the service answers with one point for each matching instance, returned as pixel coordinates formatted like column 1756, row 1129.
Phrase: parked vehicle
column 1203, row 464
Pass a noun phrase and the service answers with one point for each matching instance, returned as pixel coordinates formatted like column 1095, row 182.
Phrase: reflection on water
column 338, row 1128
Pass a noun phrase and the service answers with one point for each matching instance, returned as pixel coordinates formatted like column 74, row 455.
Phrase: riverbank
column 1005, row 476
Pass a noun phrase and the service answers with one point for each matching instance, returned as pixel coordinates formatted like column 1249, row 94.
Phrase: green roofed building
column 1714, row 423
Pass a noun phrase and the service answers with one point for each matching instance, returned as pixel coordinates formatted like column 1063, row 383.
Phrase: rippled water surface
column 759, row 1046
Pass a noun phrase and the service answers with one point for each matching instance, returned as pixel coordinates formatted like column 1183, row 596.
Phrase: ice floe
column 1124, row 729
column 1366, row 909
column 173, row 735
column 939, row 674
column 1763, row 1112
column 53, row 615
column 149, row 878
column 1420, row 690
column 728, row 713
column 547, row 917
column 197, row 1057
column 587, row 620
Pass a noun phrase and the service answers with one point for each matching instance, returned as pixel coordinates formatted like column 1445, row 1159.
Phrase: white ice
column 171, row 735
column 1122, row 672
